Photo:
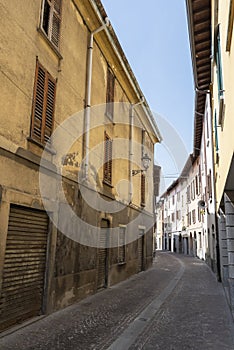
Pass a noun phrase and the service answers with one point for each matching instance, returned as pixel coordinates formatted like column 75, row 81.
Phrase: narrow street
column 177, row 304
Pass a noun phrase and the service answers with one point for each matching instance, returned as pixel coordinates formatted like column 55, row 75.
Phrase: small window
column 43, row 105
column 209, row 184
column 194, row 216
column 107, row 176
column 122, row 244
column 110, row 94
column 189, row 219
column 196, row 185
column 51, row 20
column 188, row 194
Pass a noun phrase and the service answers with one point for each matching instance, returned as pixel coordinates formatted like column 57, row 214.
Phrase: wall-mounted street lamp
column 145, row 162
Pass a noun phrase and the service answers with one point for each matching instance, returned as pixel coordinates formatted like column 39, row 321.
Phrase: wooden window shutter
column 43, row 105
column 51, row 20
column 38, row 106
column 142, row 190
column 110, row 93
column 108, row 159
column 50, row 101
column 56, row 21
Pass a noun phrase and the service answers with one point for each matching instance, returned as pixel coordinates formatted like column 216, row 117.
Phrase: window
column 193, row 190
column 178, row 196
column 142, row 190
column 51, row 20
column 196, row 184
column 199, row 214
column 107, row 176
column 121, row 244
column 178, row 215
column 43, row 105
column 189, row 219
column 173, row 200
column 172, row 217
column 219, row 74
column 209, row 185
column 194, row 216
column 188, row 194
column 216, row 137
column 110, row 94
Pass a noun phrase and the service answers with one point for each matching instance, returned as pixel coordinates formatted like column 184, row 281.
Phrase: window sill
column 52, row 46
column 107, row 184
column 46, row 148
column 121, row 263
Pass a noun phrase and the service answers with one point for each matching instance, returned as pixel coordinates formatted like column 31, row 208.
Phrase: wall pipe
column 88, row 95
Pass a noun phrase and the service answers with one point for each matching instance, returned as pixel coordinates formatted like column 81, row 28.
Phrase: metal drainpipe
column 131, row 144
column 88, row 94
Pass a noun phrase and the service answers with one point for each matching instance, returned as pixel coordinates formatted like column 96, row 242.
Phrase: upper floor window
column 107, row 176
column 188, row 194
column 51, row 20
column 194, row 216
column 43, row 105
column 218, row 58
column 178, row 196
column 110, row 94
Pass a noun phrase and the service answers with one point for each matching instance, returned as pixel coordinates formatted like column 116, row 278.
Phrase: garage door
column 24, row 266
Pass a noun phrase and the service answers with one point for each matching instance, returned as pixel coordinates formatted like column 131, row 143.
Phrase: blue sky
column 154, row 37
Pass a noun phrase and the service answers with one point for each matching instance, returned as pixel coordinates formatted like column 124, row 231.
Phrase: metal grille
column 102, row 256
column 24, row 266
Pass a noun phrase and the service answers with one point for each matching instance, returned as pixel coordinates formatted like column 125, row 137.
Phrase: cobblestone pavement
column 175, row 305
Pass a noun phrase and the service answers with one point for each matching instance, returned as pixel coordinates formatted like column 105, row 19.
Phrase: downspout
column 88, row 96
column 132, row 106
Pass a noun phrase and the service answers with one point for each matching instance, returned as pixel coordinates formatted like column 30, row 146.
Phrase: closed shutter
column 24, row 266
column 142, row 190
column 50, row 100
column 108, row 159
column 110, row 93
column 43, row 105
column 38, row 106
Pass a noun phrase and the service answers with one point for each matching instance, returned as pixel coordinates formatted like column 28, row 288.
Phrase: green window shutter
column 219, row 64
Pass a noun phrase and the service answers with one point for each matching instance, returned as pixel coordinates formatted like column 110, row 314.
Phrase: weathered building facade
column 64, row 70
column 211, row 27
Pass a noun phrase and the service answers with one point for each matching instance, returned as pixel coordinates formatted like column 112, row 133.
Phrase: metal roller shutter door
column 24, row 266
